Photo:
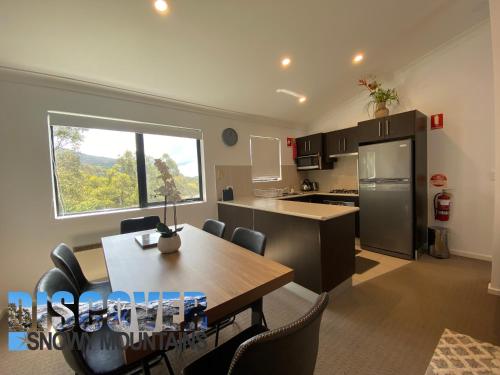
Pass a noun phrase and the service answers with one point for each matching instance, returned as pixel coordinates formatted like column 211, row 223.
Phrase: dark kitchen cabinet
column 397, row 126
column 344, row 141
column 310, row 145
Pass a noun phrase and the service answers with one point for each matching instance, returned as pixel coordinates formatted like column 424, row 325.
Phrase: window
column 265, row 153
column 97, row 169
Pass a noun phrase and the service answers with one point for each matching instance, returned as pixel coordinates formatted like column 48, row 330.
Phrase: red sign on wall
column 437, row 121
column 289, row 142
column 439, row 180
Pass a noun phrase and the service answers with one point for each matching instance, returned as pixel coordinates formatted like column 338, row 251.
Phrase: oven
column 339, row 203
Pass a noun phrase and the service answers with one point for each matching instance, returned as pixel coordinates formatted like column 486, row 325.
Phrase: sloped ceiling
column 226, row 53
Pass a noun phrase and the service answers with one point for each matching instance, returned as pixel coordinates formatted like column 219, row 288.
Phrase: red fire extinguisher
column 442, row 202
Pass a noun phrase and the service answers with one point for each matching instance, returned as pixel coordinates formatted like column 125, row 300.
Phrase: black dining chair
column 92, row 357
column 250, row 239
column 64, row 259
column 253, row 241
column 214, row 227
column 291, row 349
column 137, row 224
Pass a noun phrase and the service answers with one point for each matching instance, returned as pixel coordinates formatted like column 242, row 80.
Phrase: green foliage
column 377, row 93
column 86, row 187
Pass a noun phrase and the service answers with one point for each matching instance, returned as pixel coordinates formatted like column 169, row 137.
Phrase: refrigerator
column 386, row 198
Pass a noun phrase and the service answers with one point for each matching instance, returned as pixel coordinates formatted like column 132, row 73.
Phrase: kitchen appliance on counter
column 386, row 191
column 306, row 185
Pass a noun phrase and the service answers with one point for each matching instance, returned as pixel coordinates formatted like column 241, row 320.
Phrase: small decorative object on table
column 379, row 97
column 169, row 241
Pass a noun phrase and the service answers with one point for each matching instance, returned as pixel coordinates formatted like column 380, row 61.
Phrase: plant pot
column 381, row 110
column 167, row 245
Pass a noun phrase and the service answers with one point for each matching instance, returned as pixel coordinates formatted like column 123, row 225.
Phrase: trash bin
column 438, row 242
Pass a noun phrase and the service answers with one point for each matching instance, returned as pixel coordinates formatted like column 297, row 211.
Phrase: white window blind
column 265, row 153
column 57, row 118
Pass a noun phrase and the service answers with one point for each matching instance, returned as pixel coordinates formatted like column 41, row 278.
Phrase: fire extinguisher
column 442, row 202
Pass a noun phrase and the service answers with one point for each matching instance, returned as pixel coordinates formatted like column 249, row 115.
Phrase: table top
column 230, row 276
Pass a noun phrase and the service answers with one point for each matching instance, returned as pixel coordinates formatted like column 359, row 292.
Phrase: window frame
column 141, row 179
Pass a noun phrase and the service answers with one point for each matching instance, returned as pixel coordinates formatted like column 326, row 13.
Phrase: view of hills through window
column 96, row 169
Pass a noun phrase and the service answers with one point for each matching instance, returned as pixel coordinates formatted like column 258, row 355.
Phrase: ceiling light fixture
column 285, row 62
column 301, row 98
column 358, row 58
column 161, row 6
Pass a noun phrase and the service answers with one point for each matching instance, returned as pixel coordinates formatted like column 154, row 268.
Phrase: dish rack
column 269, row 193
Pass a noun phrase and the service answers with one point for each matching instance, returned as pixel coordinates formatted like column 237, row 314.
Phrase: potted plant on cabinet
column 379, row 97
column 169, row 240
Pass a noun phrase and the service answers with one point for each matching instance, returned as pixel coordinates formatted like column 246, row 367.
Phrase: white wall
column 495, row 36
column 456, row 80
column 28, row 229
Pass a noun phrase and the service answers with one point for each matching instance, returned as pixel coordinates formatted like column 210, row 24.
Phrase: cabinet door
column 399, row 126
column 334, row 143
column 302, row 146
column 350, row 141
column 371, row 130
column 315, row 144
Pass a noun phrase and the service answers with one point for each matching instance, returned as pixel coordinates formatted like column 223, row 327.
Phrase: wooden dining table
column 231, row 276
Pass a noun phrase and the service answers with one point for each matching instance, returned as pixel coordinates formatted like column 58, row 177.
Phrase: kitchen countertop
column 316, row 211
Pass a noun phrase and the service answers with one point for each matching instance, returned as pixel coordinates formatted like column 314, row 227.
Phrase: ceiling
column 226, row 53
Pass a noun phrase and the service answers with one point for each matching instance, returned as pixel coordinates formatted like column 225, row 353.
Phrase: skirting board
column 467, row 254
column 494, row 291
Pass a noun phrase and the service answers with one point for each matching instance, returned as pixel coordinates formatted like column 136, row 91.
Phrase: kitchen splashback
column 344, row 175
column 240, row 178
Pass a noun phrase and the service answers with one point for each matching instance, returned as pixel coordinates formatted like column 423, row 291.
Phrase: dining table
column 231, row 277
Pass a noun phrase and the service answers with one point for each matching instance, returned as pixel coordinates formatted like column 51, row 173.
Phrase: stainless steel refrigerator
column 386, row 197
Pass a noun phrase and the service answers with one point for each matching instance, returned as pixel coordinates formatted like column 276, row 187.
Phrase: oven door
column 339, row 203
column 308, row 162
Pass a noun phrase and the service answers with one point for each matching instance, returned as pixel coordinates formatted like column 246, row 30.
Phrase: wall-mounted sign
column 289, row 142
column 439, row 180
column 437, row 121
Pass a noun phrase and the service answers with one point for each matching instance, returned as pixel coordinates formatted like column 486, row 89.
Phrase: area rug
column 458, row 354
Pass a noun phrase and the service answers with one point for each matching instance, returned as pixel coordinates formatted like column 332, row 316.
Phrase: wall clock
column 229, row 137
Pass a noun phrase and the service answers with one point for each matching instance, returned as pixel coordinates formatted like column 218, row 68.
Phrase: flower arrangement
column 170, row 193
column 379, row 96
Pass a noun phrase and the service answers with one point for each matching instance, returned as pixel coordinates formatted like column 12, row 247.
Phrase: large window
column 101, row 170
column 265, row 153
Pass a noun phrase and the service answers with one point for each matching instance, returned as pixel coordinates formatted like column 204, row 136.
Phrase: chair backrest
column 291, row 349
column 64, row 259
column 250, row 239
column 139, row 223
column 214, row 227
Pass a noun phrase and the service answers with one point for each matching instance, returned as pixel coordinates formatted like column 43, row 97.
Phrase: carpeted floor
column 389, row 324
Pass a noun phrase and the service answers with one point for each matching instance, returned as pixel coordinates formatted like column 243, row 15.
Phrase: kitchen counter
column 313, row 211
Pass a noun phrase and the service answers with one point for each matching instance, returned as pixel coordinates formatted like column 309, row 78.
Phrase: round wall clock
column 229, row 137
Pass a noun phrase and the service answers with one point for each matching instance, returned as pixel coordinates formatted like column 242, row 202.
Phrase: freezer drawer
column 386, row 217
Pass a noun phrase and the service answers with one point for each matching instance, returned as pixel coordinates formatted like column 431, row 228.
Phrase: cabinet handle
column 305, row 146
column 387, row 128
column 339, row 146
column 344, row 145
column 379, row 129
column 309, row 145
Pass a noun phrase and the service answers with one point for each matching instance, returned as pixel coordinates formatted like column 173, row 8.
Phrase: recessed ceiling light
column 358, row 58
column 302, row 99
column 285, row 62
column 161, row 5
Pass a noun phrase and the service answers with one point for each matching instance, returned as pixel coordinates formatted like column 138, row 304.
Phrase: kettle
column 306, row 185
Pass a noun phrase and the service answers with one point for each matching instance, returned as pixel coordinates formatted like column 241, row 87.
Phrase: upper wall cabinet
column 340, row 142
column 396, row 126
column 310, row 145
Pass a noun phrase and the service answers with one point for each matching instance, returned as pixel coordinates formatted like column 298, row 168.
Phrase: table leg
column 257, row 312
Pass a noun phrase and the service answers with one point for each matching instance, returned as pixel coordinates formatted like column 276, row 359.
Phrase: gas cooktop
column 344, row 191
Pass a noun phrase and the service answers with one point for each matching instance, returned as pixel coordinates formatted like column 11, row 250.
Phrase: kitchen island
column 316, row 240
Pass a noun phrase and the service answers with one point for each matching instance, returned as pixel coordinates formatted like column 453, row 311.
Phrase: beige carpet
column 389, row 324
column 460, row 354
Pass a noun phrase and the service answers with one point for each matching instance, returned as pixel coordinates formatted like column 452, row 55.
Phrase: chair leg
column 167, row 362
column 145, row 368
column 264, row 320
column 217, row 330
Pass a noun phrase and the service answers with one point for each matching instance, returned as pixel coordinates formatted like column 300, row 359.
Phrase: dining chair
column 253, row 241
column 137, row 224
column 92, row 357
column 291, row 349
column 214, row 227
column 250, row 239
column 64, row 259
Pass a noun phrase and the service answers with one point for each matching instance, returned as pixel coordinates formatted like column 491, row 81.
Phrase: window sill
column 125, row 210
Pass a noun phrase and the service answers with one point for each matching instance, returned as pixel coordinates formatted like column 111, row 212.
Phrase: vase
column 167, row 245
column 381, row 110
